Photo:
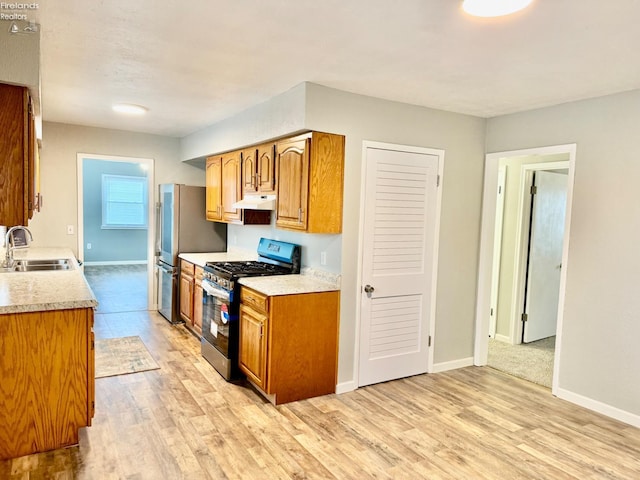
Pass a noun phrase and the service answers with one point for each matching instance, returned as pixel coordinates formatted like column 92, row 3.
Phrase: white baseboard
column 345, row 387
column 502, row 338
column 452, row 365
column 117, row 262
column 596, row 406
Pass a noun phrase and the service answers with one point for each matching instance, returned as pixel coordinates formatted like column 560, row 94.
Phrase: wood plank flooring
column 185, row 421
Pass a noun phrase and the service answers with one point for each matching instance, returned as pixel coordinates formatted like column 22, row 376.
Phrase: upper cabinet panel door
column 214, row 188
column 266, row 178
column 249, row 171
column 232, row 191
column 293, row 184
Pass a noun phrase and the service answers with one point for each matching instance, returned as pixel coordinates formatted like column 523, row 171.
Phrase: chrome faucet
column 8, row 258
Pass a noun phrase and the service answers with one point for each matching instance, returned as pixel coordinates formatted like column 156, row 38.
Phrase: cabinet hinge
column 534, row 189
column 429, row 340
column 93, row 345
column 524, row 317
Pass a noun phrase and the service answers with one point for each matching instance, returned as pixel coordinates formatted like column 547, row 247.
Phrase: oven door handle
column 214, row 291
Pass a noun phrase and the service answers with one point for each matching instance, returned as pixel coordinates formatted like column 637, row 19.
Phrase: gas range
column 221, row 302
column 274, row 258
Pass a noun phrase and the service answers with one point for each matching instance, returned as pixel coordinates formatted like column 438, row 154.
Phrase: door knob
column 368, row 289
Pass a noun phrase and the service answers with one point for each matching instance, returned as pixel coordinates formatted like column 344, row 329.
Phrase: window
column 124, row 201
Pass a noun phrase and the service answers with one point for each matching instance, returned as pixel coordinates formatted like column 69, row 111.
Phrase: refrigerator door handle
column 158, row 227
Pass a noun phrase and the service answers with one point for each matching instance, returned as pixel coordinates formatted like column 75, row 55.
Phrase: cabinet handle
column 300, row 215
column 261, row 329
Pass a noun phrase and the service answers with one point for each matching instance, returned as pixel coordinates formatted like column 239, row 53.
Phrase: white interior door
column 545, row 255
column 400, row 220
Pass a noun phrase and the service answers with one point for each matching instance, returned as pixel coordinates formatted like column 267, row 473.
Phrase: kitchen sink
column 40, row 265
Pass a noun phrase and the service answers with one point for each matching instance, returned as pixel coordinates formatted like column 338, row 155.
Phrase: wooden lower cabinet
column 198, row 296
column 289, row 343
column 47, row 377
column 190, row 296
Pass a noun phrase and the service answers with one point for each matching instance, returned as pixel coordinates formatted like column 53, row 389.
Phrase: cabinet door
column 249, row 171
column 186, row 298
column 214, row 188
column 266, row 174
column 197, row 301
column 14, row 155
column 231, row 187
column 253, row 345
column 293, row 184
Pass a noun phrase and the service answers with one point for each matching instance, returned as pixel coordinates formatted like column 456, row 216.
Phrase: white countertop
column 48, row 290
column 274, row 285
column 201, row 259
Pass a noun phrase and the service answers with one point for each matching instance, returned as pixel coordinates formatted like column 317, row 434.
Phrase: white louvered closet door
column 398, row 262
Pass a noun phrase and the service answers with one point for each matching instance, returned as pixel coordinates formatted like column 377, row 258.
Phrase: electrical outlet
column 69, row 229
column 88, row 246
column 323, row 258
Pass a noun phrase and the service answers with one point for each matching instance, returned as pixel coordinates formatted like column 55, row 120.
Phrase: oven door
column 219, row 328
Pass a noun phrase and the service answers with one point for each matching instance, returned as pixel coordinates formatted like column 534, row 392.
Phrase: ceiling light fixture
column 493, row 8
column 130, row 108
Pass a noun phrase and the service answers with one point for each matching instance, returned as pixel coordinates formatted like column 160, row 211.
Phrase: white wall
column 58, row 165
column 365, row 118
column 600, row 358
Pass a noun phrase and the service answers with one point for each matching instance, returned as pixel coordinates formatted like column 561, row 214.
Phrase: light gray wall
column 58, row 163
column 111, row 244
column 365, row 118
column 279, row 116
column 362, row 118
column 600, row 358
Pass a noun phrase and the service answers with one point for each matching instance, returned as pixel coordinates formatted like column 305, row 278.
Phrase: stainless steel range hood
column 257, row 202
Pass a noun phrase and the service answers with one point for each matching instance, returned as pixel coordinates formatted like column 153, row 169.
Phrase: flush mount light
column 130, row 108
column 493, row 8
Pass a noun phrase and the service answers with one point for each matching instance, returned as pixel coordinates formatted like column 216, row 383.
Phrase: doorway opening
column 521, row 279
column 116, row 230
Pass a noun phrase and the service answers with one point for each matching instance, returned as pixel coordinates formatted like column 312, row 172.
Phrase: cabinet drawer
column 254, row 299
column 199, row 272
column 187, row 268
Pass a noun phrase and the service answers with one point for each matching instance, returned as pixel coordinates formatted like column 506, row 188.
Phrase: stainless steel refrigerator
column 181, row 227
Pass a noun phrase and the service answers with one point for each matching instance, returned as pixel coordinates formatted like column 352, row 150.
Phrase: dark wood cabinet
column 19, row 157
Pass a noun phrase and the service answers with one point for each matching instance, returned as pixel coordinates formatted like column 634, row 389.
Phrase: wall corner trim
column 452, row 365
column 599, row 407
column 345, row 387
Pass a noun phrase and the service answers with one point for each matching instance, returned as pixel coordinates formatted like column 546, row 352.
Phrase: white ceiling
column 195, row 62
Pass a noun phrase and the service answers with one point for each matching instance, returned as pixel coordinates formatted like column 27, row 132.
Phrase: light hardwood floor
column 185, row 421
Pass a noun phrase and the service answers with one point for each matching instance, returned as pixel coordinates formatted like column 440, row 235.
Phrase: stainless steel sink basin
column 40, row 265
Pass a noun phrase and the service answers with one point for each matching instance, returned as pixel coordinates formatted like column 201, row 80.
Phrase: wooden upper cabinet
column 310, row 180
column 293, row 184
column 250, row 171
column 214, row 188
column 266, row 179
column 258, row 170
column 231, row 187
column 18, row 156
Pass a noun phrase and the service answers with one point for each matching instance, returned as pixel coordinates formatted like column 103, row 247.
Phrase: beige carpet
column 531, row 361
column 119, row 356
